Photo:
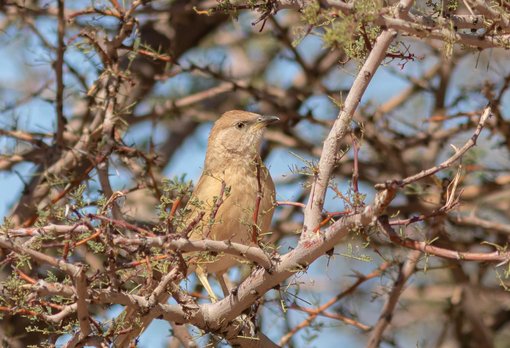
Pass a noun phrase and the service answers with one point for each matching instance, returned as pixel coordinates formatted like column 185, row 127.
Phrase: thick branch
column 250, row 253
column 341, row 126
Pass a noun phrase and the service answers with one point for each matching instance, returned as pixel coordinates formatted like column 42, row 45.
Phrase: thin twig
column 500, row 256
column 258, row 199
column 361, row 279
column 456, row 156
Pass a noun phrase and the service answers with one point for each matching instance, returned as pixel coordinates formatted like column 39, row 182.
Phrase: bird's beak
column 267, row 120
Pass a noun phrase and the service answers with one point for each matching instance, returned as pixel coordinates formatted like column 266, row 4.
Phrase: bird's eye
column 240, row 125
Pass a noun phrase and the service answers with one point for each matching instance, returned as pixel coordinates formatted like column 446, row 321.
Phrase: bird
column 235, row 176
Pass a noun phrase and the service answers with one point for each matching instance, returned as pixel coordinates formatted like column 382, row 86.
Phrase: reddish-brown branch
column 19, row 311
column 155, row 55
column 117, row 6
column 89, row 238
column 26, row 277
column 258, row 199
column 214, row 212
column 185, row 232
column 328, row 218
column 48, row 304
column 59, row 70
column 175, row 205
column 337, row 316
column 496, row 256
column 65, row 250
column 169, row 221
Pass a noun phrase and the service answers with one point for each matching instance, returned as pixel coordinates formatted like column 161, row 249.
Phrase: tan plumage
column 233, row 158
column 232, row 164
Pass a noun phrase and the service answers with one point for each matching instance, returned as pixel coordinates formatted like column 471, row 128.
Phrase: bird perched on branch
column 233, row 201
column 235, row 196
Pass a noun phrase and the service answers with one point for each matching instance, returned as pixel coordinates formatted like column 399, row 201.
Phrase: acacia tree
column 394, row 139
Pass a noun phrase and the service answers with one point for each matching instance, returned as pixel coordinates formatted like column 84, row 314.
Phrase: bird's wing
column 206, row 194
column 208, row 186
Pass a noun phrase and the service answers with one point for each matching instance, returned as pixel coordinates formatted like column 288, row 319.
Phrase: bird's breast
column 235, row 217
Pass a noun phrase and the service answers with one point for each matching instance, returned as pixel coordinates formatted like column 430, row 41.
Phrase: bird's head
column 238, row 132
